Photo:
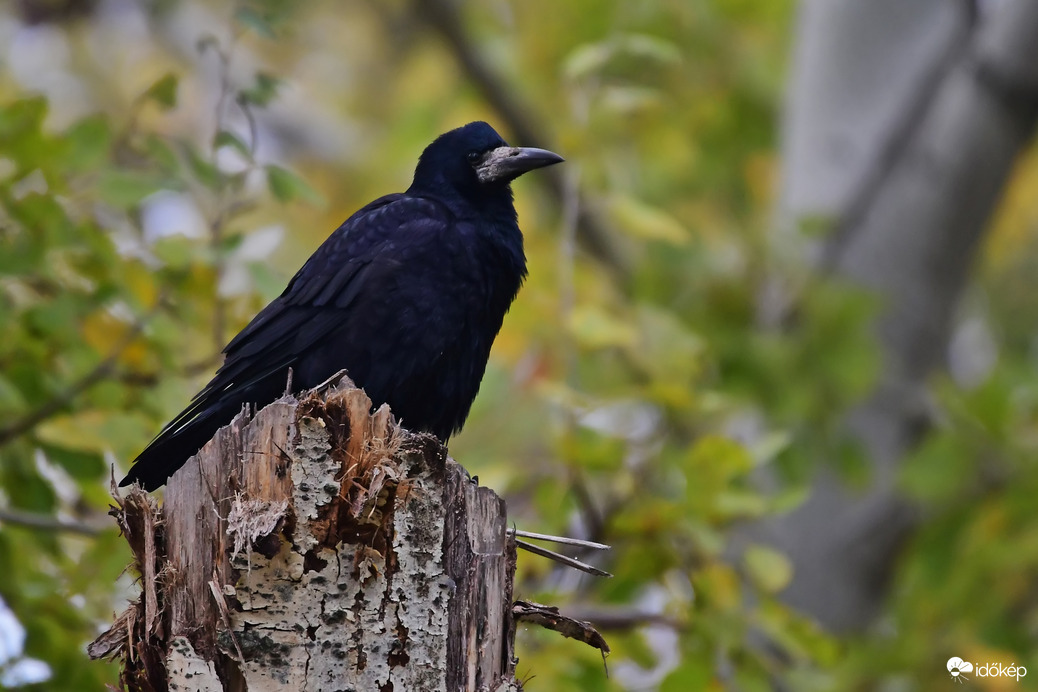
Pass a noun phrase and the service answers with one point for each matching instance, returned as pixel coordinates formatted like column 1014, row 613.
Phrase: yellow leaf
column 102, row 331
column 81, row 431
column 645, row 221
column 719, row 456
column 719, row 586
column 770, row 570
column 595, row 328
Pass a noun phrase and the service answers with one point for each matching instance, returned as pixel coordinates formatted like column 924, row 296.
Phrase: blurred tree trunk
column 903, row 122
column 318, row 546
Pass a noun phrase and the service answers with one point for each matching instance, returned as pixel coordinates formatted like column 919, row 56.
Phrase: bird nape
column 407, row 296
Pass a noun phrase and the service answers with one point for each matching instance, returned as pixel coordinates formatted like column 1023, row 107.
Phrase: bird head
column 475, row 160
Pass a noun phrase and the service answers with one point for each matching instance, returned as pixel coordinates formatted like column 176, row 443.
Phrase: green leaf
column 22, row 116
column 262, row 92
column 96, row 431
column 718, row 456
column 287, row 186
column 79, row 464
column 87, row 143
column 267, row 282
column 627, row 100
column 160, row 152
column 204, row 171
column 770, row 570
column 594, row 328
column 695, row 673
column 11, row 398
column 740, row 504
column 645, row 221
column 21, row 136
column 80, row 432
column 650, row 48
column 597, row 58
column 229, row 139
column 123, row 188
column 586, row 59
column 176, row 251
column 255, row 21
column 164, row 91
column 17, row 471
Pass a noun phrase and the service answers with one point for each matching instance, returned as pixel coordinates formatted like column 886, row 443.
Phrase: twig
column 228, row 206
column 624, row 618
column 558, row 557
column 550, row 618
column 593, row 517
column 562, row 540
column 216, row 224
column 46, row 522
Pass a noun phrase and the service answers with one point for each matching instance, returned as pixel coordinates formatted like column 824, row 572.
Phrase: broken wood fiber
column 318, row 546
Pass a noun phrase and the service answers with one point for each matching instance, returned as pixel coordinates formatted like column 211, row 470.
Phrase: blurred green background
column 166, row 166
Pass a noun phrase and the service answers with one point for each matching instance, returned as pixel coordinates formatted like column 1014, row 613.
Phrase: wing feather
column 339, row 298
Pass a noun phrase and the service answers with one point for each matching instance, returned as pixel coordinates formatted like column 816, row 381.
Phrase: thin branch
column 46, row 522
column 561, row 540
column 216, row 225
column 624, row 618
column 550, row 618
column 562, row 559
column 592, row 515
column 443, row 17
column 891, row 151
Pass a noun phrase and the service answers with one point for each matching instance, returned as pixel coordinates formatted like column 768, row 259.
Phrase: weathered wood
column 318, row 546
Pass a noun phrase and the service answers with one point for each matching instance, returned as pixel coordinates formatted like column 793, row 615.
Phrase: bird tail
column 174, row 448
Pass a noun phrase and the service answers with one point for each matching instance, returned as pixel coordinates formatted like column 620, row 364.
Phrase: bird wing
column 339, row 289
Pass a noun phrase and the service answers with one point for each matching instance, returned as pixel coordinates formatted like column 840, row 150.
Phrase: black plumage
column 407, row 296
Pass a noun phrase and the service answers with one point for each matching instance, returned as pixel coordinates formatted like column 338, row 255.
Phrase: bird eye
column 474, row 157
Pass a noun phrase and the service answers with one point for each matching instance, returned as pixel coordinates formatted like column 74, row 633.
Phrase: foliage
column 640, row 405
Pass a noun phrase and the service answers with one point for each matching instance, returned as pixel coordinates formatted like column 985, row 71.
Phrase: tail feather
column 168, row 452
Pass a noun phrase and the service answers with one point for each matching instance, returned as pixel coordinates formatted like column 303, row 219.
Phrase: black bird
column 407, row 296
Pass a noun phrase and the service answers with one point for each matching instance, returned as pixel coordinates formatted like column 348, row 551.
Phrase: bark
column 318, row 546
column 904, row 123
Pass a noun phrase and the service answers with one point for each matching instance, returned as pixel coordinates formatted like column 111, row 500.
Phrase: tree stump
column 318, row 546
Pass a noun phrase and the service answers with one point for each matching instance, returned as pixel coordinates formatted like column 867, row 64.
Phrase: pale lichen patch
column 189, row 672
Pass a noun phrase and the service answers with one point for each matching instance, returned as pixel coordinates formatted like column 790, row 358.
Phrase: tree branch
column 624, row 618
column 889, row 155
column 46, row 522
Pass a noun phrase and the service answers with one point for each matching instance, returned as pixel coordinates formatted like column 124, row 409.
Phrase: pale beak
column 505, row 164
